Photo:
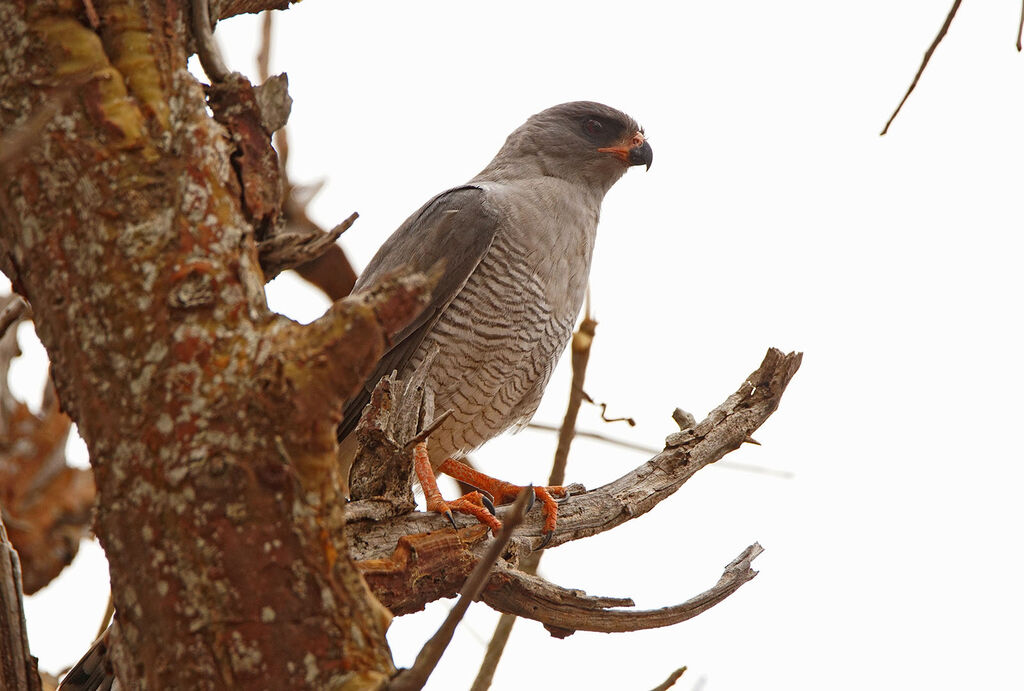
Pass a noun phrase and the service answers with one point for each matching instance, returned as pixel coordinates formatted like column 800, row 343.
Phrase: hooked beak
column 635, row 152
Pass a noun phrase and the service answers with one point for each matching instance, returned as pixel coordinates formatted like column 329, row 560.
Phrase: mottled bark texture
column 210, row 420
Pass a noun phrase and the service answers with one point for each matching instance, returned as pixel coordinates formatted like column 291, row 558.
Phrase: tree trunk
column 210, row 420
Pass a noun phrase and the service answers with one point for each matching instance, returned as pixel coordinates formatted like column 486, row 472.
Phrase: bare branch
column 230, row 8
column 1020, row 27
column 581, row 342
column 414, row 678
column 17, row 666
column 671, row 681
column 263, row 56
column 924, row 63
column 209, row 54
column 293, row 249
column 637, row 492
column 564, row 611
column 430, row 565
column 12, row 313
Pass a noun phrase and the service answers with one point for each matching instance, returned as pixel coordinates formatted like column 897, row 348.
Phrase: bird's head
column 579, row 141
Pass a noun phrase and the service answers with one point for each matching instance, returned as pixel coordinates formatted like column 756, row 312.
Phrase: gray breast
column 497, row 343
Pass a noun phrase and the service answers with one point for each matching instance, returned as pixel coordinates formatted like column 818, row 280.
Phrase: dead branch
column 414, row 678
column 381, row 471
column 18, row 670
column 206, row 46
column 928, row 57
column 671, row 681
column 293, row 249
column 564, row 611
column 230, row 8
column 581, row 342
column 584, row 514
column 1020, row 27
column 12, row 313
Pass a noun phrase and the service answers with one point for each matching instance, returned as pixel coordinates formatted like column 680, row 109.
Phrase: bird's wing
column 93, row 671
column 457, row 228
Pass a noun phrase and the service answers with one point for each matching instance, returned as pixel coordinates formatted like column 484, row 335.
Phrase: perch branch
column 924, row 63
column 414, row 678
column 584, row 514
column 637, row 492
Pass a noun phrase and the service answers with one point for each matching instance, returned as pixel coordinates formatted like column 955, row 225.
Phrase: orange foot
column 504, row 492
column 474, row 503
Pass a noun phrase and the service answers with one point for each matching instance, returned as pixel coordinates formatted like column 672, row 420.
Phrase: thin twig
column 597, row 436
column 429, row 429
column 14, row 310
column 209, row 54
column 581, row 343
column 90, row 13
column 495, row 648
column 604, row 411
column 263, row 56
column 924, row 63
column 416, row 676
column 671, row 681
column 1020, row 26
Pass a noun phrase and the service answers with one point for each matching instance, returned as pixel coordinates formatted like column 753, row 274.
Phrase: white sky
column 774, row 215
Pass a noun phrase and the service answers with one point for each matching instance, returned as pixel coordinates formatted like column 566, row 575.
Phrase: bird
column 515, row 243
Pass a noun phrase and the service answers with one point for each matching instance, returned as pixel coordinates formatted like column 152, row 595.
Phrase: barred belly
column 497, row 344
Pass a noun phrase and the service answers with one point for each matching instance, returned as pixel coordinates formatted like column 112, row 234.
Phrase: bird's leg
column 472, row 503
column 504, row 492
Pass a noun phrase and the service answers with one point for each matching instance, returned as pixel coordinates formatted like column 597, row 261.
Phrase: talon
column 546, row 539
column 451, row 519
column 488, row 504
column 533, row 499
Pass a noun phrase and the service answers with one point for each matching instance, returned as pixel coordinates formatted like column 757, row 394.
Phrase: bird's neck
column 533, row 171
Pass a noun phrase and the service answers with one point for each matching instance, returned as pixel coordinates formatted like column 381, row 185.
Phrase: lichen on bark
column 208, row 418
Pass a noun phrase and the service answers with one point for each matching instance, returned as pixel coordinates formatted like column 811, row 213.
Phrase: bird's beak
column 635, row 152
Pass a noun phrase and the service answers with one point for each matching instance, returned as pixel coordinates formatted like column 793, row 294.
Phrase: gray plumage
column 516, row 242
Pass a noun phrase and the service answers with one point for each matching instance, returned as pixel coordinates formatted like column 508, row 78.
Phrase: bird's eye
column 592, row 127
